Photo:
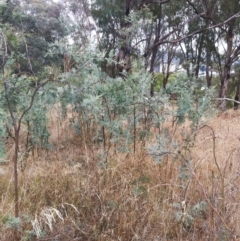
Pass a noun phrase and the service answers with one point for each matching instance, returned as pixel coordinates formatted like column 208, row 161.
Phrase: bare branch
column 31, row 102
column 4, row 80
column 156, row 1
column 235, row 101
column 212, row 207
column 4, row 47
column 163, row 41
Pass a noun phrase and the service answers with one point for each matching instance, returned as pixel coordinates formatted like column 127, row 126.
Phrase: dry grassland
column 66, row 195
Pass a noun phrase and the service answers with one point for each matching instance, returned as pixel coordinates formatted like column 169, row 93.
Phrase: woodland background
column 96, row 143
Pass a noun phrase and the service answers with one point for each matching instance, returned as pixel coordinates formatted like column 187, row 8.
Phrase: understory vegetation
column 100, row 160
column 100, row 139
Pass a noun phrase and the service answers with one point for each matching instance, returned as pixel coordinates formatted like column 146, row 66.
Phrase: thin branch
column 10, row 133
column 28, row 58
column 156, row 1
column 194, row 8
column 31, row 102
column 4, row 58
column 214, row 151
column 28, row 55
column 213, row 208
column 4, row 47
column 163, row 41
column 238, row 102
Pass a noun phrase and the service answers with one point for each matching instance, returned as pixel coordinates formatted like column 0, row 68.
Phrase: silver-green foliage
column 122, row 107
column 119, row 108
column 20, row 95
column 193, row 103
column 104, row 101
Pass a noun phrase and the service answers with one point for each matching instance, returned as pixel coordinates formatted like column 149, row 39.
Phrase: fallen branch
column 238, row 102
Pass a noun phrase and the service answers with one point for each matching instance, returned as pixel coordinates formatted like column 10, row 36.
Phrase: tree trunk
column 15, row 160
column 124, row 60
column 15, row 167
column 208, row 73
column 156, row 33
column 237, row 97
column 208, row 58
column 152, row 62
column 199, row 55
column 226, row 75
column 223, row 93
column 237, row 94
column 124, row 53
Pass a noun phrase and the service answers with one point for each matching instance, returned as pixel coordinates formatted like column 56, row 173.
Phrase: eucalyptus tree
column 115, row 22
column 26, row 69
column 210, row 37
column 164, row 25
column 230, row 32
column 196, row 27
column 110, row 17
column 81, row 26
column 200, row 45
column 42, row 22
column 17, row 99
column 169, row 27
column 221, row 31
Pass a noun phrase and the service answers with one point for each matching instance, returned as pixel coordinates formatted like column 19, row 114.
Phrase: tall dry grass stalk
column 66, row 195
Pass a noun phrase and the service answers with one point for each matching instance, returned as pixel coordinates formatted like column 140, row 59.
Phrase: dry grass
column 69, row 196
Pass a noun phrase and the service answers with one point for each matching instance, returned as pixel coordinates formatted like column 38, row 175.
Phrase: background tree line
column 193, row 33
